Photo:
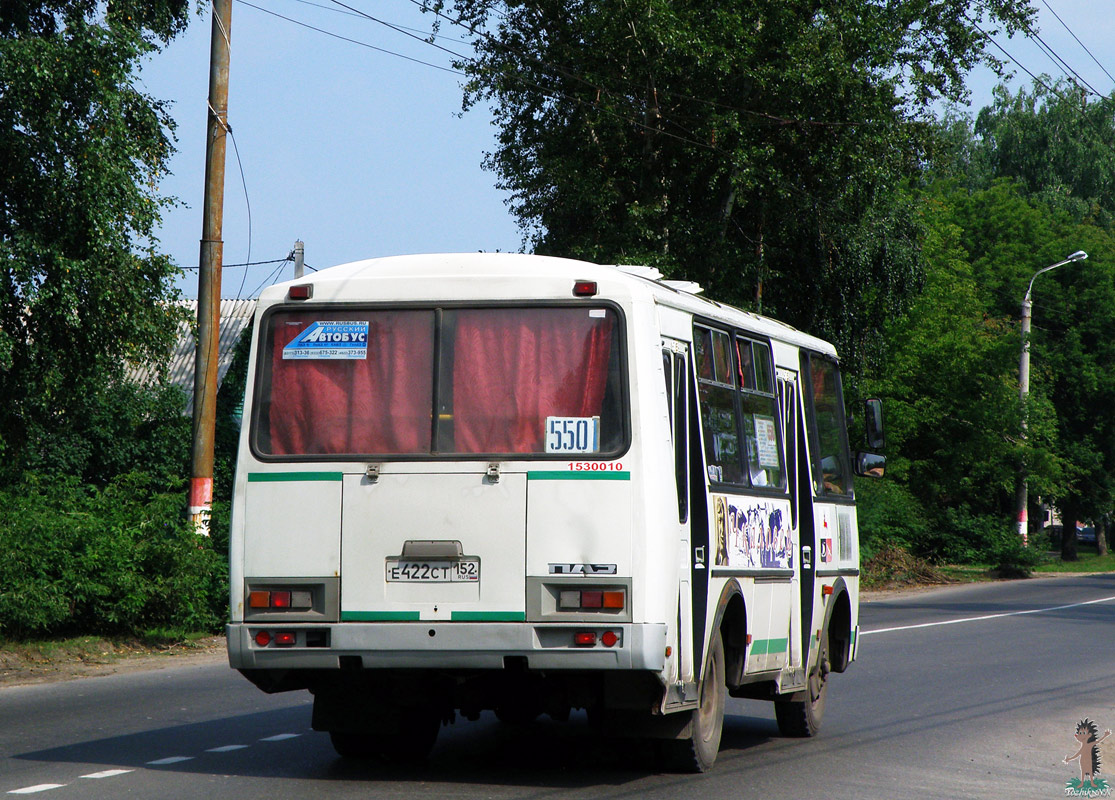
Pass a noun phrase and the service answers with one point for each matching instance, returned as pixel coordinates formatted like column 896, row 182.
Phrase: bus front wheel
column 801, row 717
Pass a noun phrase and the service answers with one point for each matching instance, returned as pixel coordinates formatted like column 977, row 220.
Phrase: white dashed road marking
column 162, row 762
column 172, row 760
column 42, row 787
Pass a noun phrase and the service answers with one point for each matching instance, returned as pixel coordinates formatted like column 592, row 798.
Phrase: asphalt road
column 970, row 691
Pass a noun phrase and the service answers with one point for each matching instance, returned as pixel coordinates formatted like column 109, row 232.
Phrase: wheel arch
column 838, row 627
column 731, row 621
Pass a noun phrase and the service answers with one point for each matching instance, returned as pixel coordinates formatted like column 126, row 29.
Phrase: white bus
column 531, row 485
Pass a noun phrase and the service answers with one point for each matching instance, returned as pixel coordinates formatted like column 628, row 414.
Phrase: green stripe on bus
column 765, row 647
column 277, row 477
column 379, row 616
column 564, row 475
column 489, row 616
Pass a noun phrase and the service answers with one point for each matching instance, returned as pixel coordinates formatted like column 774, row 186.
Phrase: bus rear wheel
column 697, row 751
column 417, row 732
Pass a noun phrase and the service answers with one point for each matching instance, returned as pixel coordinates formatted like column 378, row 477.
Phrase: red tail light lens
column 584, row 638
column 263, row 638
column 592, row 599
column 280, row 599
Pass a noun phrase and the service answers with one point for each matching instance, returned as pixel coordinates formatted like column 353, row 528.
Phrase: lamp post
column 1024, row 388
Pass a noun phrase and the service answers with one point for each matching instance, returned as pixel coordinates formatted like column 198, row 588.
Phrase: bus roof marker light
column 303, row 291
column 584, row 289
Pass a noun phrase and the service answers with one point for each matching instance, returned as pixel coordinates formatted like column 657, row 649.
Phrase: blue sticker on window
column 346, row 339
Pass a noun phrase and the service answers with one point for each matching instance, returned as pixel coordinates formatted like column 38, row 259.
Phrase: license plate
column 408, row 571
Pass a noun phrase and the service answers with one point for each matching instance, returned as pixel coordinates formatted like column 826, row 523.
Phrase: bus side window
column 831, row 474
column 716, row 386
column 674, row 368
column 681, row 438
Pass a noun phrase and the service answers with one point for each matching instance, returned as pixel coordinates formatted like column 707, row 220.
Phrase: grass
column 1087, row 561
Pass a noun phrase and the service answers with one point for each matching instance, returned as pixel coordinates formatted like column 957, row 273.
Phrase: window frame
column 261, row 381
column 808, row 358
column 736, row 335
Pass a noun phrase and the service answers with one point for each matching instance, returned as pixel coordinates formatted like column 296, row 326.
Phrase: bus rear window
column 424, row 382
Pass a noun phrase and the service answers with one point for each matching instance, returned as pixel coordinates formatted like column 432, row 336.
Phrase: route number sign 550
column 572, row 434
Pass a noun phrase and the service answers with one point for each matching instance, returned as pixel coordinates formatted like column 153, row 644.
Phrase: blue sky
column 361, row 153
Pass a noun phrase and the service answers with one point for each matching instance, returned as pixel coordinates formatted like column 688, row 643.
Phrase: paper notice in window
column 346, row 339
column 766, row 441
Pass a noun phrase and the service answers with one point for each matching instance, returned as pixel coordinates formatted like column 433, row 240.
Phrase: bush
column 118, row 560
column 889, row 516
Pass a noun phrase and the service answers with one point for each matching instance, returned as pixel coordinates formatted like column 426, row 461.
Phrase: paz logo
column 1087, row 756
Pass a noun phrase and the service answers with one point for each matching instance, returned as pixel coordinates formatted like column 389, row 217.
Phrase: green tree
column 950, row 384
column 758, row 146
column 82, row 284
column 1057, row 144
column 1058, row 149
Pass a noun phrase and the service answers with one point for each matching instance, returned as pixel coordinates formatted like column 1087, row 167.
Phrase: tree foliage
column 82, row 284
column 758, row 146
column 1058, row 146
column 1003, row 208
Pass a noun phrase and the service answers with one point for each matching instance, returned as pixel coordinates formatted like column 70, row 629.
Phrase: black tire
column 697, row 752
column 801, row 717
column 418, row 730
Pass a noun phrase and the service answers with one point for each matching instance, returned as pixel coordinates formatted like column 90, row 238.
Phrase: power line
column 1074, row 36
column 349, row 40
column 248, row 263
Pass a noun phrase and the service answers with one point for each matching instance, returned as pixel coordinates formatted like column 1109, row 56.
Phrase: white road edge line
column 228, row 748
column 171, row 760
column 281, row 737
column 988, row 616
column 108, row 773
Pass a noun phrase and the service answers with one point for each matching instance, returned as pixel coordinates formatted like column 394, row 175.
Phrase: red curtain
column 515, row 367
column 379, row 404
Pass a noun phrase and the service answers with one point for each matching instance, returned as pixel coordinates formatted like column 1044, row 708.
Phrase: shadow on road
column 280, row 744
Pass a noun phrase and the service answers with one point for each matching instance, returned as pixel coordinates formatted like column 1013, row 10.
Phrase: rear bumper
column 457, row 645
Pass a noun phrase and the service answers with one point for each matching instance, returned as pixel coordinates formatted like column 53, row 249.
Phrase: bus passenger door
column 801, row 516
column 693, row 580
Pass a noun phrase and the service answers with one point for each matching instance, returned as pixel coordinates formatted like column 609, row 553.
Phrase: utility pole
column 1022, row 502
column 299, row 258
column 209, row 274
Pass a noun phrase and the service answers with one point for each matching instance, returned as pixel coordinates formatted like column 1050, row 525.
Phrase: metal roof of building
column 236, row 315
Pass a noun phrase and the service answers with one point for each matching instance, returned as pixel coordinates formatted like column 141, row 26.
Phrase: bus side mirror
column 873, row 415
column 870, row 465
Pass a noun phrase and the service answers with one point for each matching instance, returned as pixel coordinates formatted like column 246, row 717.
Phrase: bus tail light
column 280, row 599
column 592, row 638
column 592, row 600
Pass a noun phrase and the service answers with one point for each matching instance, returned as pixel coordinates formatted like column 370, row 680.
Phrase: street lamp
column 1024, row 387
